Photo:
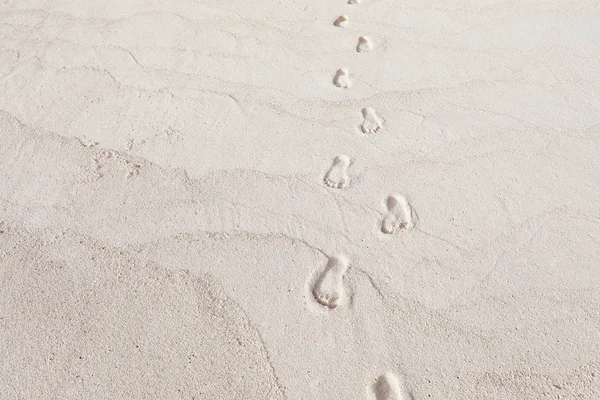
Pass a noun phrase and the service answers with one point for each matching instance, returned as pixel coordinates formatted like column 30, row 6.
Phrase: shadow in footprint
column 341, row 21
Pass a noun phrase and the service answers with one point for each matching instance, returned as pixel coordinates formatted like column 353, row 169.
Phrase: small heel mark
column 342, row 78
column 364, row 44
column 341, row 21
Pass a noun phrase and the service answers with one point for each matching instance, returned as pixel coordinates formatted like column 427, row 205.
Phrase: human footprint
column 328, row 289
column 388, row 387
column 399, row 216
column 371, row 122
column 337, row 176
column 364, row 44
column 342, row 78
column 341, row 21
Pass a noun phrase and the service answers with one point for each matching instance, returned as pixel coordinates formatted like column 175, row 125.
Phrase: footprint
column 341, row 21
column 337, row 176
column 328, row 289
column 353, row 1
column 399, row 216
column 342, row 78
column 371, row 122
column 134, row 168
column 364, row 44
column 388, row 387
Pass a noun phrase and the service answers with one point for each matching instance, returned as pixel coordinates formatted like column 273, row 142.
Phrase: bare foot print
column 342, row 78
column 337, row 176
column 371, row 122
column 399, row 216
column 328, row 289
column 364, row 44
column 341, row 21
column 388, row 387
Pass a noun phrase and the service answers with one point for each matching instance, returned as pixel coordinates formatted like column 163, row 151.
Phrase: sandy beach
column 364, row 199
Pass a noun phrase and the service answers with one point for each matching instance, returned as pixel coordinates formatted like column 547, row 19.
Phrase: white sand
column 176, row 176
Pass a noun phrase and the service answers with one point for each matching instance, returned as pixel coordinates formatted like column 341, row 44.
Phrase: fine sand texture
column 342, row 199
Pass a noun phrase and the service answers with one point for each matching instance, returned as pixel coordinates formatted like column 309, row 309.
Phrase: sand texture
column 375, row 199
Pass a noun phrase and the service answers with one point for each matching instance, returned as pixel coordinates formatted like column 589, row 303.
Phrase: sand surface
column 388, row 200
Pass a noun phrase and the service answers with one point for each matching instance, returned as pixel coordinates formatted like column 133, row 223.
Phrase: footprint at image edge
column 388, row 387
